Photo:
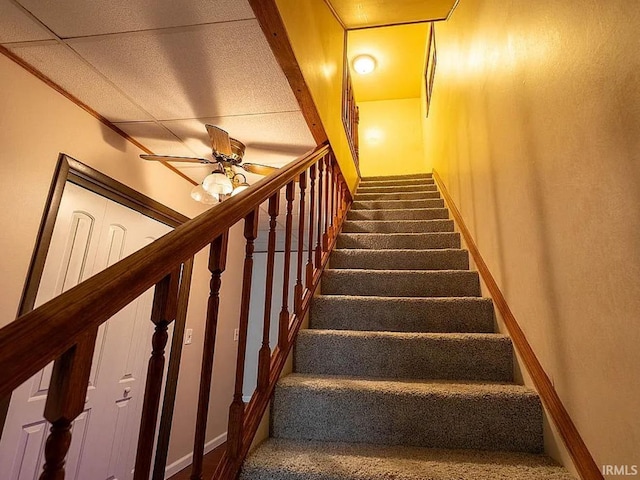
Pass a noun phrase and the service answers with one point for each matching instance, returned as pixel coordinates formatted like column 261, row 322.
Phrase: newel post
column 67, row 394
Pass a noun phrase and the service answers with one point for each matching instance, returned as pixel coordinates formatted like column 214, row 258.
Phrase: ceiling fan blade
column 258, row 169
column 220, row 142
column 173, row 158
column 282, row 148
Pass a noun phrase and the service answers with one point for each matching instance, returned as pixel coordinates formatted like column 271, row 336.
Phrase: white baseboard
column 187, row 460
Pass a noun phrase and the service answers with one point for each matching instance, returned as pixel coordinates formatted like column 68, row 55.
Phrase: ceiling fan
column 227, row 153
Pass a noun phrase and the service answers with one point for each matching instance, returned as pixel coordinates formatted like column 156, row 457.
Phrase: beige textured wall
column 36, row 123
column 535, row 129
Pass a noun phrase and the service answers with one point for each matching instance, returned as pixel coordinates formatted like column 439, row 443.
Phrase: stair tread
column 449, row 336
column 281, row 459
column 405, row 387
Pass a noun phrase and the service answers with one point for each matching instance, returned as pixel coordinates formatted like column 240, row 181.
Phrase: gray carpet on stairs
column 439, row 414
column 401, row 314
column 436, row 259
column 461, row 356
column 401, row 283
column 407, row 214
column 397, row 204
column 397, row 196
column 378, row 241
column 397, row 226
column 400, row 375
column 279, row 459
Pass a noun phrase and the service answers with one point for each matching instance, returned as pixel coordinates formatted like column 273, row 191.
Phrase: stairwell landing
column 400, row 375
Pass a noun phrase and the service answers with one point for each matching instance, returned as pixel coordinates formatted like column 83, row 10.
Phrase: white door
column 91, row 233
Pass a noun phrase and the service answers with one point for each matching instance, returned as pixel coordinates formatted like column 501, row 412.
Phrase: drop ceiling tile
column 18, row 26
column 272, row 139
column 156, row 138
column 73, row 18
column 193, row 72
column 70, row 72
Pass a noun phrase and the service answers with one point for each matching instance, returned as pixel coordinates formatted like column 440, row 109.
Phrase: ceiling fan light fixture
column 199, row 194
column 240, row 184
column 217, row 184
column 364, row 64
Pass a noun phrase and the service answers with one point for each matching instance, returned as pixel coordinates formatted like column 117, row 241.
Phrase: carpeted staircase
column 400, row 375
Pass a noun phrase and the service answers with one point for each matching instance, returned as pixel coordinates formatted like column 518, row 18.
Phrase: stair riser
column 392, row 241
column 400, row 284
column 418, row 214
column 465, row 315
column 399, row 177
column 398, row 204
column 401, row 260
column 396, row 189
column 486, row 422
column 397, row 183
column 397, row 196
column 408, row 356
column 406, row 226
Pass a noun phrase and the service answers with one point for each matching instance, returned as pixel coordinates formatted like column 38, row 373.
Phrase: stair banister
column 63, row 329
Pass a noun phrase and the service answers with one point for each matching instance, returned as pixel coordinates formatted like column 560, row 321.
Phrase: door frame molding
column 68, row 169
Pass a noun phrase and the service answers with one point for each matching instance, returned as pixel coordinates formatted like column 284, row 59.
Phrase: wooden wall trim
column 579, row 452
column 270, row 21
column 41, row 76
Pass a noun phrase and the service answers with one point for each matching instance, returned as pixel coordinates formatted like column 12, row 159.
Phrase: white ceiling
column 161, row 69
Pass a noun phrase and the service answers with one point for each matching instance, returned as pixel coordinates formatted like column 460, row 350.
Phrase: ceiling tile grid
column 161, row 69
column 18, row 26
column 204, row 71
column 75, row 18
column 73, row 74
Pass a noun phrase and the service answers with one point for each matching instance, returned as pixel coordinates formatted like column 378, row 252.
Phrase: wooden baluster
column 312, row 198
column 327, row 205
column 283, row 331
column 236, row 410
column 320, row 207
column 217, row 265
column 264, row 356
column 334, row 197
column 65, row 401
column 163, row 312
column 173, row 371
column 299, row 289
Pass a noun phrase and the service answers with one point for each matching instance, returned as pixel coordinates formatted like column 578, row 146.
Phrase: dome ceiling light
column 364, row 64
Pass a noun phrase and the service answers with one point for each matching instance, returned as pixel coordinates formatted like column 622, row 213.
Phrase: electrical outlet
column 236, row 334
column 188, row 336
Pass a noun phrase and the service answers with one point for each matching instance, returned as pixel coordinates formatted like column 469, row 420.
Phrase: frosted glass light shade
column 364, row 64
column 217, row 183
column 240, row 188
column 199, row 194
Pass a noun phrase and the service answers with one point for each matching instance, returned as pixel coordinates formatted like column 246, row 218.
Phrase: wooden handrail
column 44, row 334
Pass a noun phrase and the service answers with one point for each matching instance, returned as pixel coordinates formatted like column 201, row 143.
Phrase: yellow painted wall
column 534, row 128
column 36, row 124
column 318, row 43
column 390, row 138
column 399, row 52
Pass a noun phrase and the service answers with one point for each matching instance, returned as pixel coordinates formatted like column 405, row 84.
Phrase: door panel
column 90, row 234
